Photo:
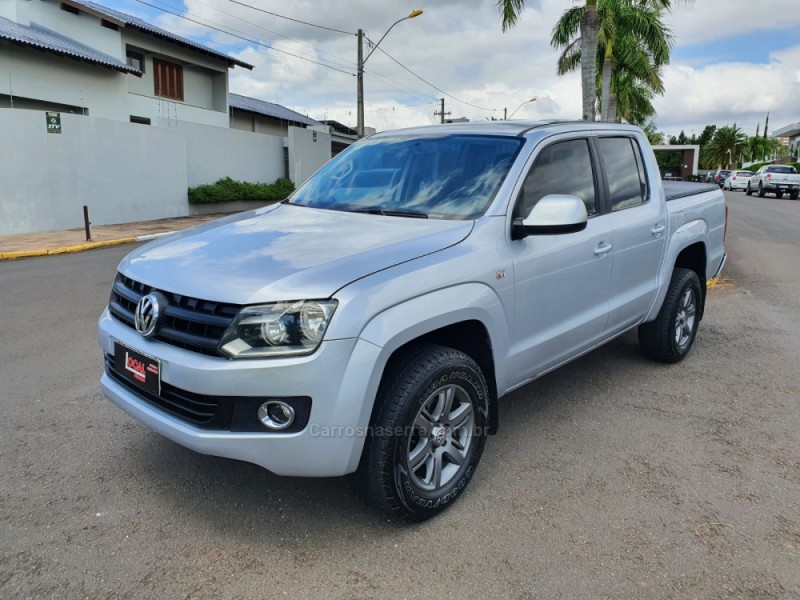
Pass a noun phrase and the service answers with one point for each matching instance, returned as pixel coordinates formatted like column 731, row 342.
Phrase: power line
column 246, row 39
column 430, row 84
column 418, row 95
column 344, row 62
column 291, row 19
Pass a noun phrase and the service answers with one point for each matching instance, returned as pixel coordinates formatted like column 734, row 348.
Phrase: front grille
column 210, row 412
column 190, row 323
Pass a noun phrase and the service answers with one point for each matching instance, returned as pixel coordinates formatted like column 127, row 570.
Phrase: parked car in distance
column 720, row 176
column 737, row 180
column 775, row 179
column 710, row 177
column 369, row 323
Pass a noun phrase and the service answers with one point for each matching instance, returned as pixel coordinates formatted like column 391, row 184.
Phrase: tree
column 633, row 44
column 588, row 23
column 654, row 136
column 728, row 146
column 631, row 100
column 707, row 135
column 634, row 41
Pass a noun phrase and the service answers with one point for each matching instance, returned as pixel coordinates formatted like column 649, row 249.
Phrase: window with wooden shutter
column 168, row 79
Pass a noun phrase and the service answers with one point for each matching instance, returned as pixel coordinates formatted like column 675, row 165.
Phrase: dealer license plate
column 138, row 368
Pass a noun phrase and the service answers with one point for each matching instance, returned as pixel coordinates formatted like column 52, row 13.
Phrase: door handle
column 658, row 229
column 602, row 249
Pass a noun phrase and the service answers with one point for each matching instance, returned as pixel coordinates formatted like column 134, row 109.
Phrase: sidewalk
column 74, row 240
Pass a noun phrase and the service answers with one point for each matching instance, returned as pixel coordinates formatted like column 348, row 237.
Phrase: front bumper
column 341, row 378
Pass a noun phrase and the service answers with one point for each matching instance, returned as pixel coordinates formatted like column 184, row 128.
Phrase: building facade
column 83, row 58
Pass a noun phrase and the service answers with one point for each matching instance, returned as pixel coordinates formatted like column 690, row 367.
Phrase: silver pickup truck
column 369, row 324
column 775, row 179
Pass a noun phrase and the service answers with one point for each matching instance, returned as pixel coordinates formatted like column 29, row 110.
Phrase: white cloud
column 702, row 21
column 458, row 46
column 728, row 92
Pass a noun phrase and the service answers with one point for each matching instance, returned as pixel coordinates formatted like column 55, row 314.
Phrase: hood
column 285, row 252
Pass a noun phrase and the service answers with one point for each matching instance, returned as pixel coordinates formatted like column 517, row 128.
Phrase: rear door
column 639, row 224
column 561, row 281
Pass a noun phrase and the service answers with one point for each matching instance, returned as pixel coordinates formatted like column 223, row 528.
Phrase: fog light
column 275, row 414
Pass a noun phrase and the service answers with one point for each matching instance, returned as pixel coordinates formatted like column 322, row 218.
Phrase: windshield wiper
column 391, row 213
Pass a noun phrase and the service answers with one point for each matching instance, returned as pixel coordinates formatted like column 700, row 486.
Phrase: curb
column 80, row 247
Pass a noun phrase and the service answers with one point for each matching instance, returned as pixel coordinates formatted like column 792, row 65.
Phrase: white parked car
column 737, row 180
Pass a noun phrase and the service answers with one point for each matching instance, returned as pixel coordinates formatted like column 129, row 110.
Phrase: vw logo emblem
column 147, row 313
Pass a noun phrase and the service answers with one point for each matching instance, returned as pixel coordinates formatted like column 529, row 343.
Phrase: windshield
column 780, row 170
column 445, row 176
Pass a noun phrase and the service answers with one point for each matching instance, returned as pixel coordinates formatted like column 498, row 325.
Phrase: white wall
column 308, row 151
column 214, row 152
column 123, row 172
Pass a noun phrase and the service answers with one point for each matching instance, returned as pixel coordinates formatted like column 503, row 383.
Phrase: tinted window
column 561, row 168
column 442, row 176
column 780, row 170
column 625, row 179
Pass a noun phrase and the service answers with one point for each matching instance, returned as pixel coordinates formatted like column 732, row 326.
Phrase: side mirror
column 552, row 215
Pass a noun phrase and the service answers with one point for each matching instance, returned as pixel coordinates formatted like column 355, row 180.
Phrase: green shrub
column 229, row 190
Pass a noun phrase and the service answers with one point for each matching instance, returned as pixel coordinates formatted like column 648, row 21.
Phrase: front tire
column 671, row 336
column 779, row 195
column 761, row 192
column 795, row 195
column 749, row 191
column 428, row 432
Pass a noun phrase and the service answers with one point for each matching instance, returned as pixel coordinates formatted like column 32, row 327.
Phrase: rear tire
column 795, row 195
column 428, row 432
column 761, row 192
column 779, row 195
column 749, row 191
column 671, row 336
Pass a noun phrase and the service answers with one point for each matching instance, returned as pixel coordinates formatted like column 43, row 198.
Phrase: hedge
column 229, row 190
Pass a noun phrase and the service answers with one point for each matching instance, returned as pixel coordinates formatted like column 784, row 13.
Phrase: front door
column 561, row 281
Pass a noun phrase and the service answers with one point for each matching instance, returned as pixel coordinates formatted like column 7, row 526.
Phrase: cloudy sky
column 732, row 61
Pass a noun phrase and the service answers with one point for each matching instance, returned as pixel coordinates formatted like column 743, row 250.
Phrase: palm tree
column 588, row 23
column 615, row 36
column 631, row 39
column 630, row 100
column 728, row 146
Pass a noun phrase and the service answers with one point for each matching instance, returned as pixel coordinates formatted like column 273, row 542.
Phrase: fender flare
column 402, row 323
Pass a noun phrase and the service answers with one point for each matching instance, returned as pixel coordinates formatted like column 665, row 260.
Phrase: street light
column 362, row 61
column 521, row 105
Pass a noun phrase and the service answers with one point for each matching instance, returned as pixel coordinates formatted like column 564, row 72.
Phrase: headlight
column 280, row 329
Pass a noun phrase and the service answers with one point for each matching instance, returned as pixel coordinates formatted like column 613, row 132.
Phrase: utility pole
column 505, row 114
column 360, row 78
column 360, row 70
column 441, row 114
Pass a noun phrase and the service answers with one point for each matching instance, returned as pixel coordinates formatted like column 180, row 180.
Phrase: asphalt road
column 613, row 477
